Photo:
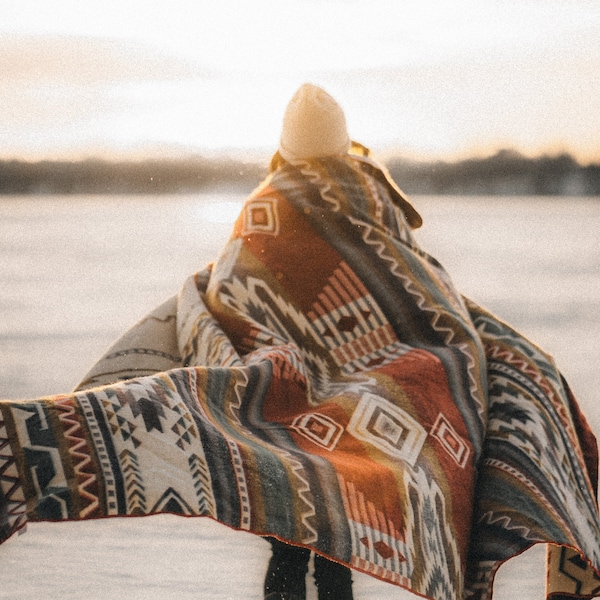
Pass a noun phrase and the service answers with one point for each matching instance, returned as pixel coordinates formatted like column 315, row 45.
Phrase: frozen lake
column 75, row 272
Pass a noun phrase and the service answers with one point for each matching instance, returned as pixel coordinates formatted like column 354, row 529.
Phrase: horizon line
column 255, row 155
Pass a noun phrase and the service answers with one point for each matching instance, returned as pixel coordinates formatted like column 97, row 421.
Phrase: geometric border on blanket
column 15, row 507
column 387, row 427
column 569, row 575
column 451, row 442
column 319, row 429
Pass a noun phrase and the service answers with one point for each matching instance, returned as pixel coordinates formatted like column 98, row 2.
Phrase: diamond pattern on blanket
column 450, row 440
column 387, row 427
column 319, row 429
column 260, row 216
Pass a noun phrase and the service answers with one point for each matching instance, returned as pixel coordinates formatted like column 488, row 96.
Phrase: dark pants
column 286, row 575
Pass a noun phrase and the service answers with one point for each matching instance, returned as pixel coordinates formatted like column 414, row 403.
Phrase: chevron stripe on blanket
column 323, row 382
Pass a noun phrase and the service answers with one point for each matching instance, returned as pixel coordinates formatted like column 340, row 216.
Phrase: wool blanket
column 323, row 382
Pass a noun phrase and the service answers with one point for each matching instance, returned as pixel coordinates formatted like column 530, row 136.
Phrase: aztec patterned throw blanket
column 323, row 382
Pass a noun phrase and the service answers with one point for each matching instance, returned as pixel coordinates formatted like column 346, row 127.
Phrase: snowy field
column 75, row 272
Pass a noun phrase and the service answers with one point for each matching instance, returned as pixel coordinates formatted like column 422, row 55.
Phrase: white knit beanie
column 313, row 125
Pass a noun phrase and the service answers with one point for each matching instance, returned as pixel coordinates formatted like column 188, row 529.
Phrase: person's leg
column 334, row 581
column 286, row 573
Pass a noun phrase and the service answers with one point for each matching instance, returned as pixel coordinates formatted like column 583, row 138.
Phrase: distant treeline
column 506, row 172
column 152, row 176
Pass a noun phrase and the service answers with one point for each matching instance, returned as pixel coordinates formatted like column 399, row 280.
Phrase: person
column 314, row 126
column 287, row 569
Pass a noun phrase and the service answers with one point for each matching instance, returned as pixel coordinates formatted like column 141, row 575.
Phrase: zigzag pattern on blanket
column 352, row 402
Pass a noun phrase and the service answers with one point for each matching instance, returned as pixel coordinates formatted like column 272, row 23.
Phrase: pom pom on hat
column 313, row 125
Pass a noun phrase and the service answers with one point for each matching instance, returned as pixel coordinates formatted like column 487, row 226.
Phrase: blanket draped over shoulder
column 324, row 383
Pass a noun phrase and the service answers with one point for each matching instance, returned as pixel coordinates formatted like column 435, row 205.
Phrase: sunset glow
column 130, row 77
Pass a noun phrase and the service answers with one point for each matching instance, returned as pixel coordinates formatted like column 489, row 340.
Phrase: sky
column 427, row 79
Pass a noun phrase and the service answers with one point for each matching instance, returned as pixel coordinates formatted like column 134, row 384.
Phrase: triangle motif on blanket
column 172, row 502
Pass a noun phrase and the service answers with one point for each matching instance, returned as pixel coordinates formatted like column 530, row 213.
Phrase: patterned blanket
column 323, row 382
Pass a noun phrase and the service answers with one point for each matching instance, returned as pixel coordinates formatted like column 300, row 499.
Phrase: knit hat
column 313, row 125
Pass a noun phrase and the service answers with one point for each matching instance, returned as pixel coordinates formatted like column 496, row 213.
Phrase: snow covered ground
column 75, row 272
